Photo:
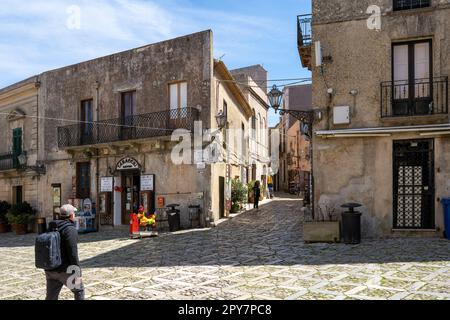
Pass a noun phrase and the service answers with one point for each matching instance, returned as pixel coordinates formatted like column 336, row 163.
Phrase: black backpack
column 48, row 249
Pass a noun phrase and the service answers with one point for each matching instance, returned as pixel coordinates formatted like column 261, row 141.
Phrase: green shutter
column 17, row 141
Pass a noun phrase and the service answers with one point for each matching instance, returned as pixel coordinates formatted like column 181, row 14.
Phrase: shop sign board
column 106, row 184
column 148, row 182
column 128, row 163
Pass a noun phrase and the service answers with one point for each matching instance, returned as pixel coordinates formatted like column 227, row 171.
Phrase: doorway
column 131, row 183
column 414, row 184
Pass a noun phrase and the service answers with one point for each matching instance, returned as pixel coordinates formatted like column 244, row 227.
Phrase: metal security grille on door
column 413, row 184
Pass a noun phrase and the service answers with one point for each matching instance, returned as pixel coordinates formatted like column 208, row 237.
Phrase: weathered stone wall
column 356, row 169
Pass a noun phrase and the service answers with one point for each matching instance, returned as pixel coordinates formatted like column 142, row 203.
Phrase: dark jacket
column 257, row 192
column 69, row 244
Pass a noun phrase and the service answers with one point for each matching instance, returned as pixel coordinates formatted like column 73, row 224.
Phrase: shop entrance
column 131, row 183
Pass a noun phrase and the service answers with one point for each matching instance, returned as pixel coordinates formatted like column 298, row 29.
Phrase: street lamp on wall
column 275, row 98
column 23, row 160
column 221, row 119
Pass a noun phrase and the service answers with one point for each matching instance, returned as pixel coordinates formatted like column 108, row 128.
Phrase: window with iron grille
column 411, row 4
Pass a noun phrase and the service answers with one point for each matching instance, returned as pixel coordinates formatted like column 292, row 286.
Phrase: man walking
column 69, row 273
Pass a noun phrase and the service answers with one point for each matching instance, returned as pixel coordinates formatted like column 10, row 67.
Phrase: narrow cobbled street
column 256, row 255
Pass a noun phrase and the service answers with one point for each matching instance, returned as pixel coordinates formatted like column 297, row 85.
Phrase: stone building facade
column 106, row 130
column 380, row 93
column 18, row 109
column 295, row 166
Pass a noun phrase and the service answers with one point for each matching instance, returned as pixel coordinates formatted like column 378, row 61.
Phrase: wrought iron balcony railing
column 304, row 31
column 151, row 125
column 411, row 4
column 8, row 161
column 418, row 98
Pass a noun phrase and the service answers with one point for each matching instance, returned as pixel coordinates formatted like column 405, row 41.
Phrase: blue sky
column 35, row 36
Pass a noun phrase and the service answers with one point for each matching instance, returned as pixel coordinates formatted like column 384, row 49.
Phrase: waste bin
column 351, row 224
column 41, row 225
column 446, row 205
column 173, row 216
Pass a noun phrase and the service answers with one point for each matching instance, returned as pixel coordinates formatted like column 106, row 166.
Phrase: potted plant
column 325, row 228
column 251, row 194
column 239, row 194
column 19, row 216
column 4, row 208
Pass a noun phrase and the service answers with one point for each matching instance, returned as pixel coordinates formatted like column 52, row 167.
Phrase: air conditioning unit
column 341, row 115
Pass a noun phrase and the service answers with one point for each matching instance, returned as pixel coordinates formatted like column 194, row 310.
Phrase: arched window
column 260, row 128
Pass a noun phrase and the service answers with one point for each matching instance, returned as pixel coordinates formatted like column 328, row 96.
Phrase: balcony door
column 412, row 78
column 17, row 146
column 127, row 115
column 178, row 104
column 86, row 122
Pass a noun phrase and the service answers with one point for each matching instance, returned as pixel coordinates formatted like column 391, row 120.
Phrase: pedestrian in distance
column 69, row 272
column 257, row 194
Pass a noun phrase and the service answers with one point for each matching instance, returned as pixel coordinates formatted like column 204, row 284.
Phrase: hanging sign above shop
column 128, row 164
column 148, row 183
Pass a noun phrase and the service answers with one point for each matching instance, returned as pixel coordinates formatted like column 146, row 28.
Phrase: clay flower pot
column 21, row 229
column 4, row 228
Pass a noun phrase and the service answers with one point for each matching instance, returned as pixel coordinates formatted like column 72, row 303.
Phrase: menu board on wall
column 106, row 184
column 148, row 183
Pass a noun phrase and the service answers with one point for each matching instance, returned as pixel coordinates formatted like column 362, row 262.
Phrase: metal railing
column 419, row 98
column 304, row 31
column 157, row 124
column 410, row 4
column 8, row 161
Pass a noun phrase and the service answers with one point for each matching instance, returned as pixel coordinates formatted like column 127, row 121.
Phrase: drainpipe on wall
column 97, row 160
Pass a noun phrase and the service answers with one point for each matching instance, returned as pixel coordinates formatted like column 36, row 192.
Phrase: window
column 86, row 118
column 412, row 73
column 411, row 4
column 17, row 146
column 178, row 99
column 254, row 125
column 83, row 180
column 17, row 195
column 127, row 113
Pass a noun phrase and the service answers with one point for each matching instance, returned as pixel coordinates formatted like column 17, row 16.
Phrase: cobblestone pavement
column 257, row 255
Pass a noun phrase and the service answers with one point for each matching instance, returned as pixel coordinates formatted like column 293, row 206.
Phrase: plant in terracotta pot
column 239, row 194
column 4, row 208
column 19, row 216
column 251, row 195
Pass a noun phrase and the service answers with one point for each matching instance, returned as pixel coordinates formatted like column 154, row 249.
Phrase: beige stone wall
column 361, row 169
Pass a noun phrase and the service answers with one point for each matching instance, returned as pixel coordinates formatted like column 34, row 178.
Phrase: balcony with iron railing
column 144, row 126
column 411, row 4
column 9, row 161
column 304, row 38
column 421, row 97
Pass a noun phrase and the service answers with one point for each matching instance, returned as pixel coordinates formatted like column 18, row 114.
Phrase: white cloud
column 35, row 37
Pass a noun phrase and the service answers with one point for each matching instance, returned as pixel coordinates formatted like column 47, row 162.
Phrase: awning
column 423, row 130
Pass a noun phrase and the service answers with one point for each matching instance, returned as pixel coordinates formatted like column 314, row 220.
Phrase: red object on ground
column 134, row 224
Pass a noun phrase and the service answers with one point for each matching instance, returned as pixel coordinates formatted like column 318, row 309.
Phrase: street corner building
column 380, row 94
column 102, row 130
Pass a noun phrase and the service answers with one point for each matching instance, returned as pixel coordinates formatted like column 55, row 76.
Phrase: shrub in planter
column 325, row 228
column 251, row 195
column 239, row 194
column 4, row 208
column 19, row 216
